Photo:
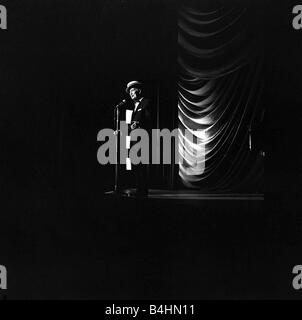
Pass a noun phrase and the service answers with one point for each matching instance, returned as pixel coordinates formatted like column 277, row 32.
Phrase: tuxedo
column 142, row 114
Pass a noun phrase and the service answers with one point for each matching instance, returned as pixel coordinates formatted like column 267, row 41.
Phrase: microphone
column 121, row 103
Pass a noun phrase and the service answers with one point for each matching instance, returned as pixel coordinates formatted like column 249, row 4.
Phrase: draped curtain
column 219, row 98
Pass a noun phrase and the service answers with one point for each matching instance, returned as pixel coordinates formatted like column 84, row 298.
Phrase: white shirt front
column 137, row 103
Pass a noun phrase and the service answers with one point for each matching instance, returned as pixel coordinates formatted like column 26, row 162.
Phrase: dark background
column 63, row 65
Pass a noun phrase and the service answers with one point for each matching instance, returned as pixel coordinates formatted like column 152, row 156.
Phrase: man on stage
column 141, row 118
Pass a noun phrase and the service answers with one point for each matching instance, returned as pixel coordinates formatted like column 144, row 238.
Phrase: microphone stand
column 117, row 153
column 117, row 189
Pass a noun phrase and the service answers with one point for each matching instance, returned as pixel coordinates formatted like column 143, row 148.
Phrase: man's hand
column 134, row 125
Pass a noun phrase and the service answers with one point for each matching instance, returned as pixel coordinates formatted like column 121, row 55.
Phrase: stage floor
column 195, row 195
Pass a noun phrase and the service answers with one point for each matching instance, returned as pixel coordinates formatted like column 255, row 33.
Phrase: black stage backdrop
column 64, row 65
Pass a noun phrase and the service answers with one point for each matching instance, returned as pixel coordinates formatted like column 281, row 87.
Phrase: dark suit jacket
column 143, row 114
